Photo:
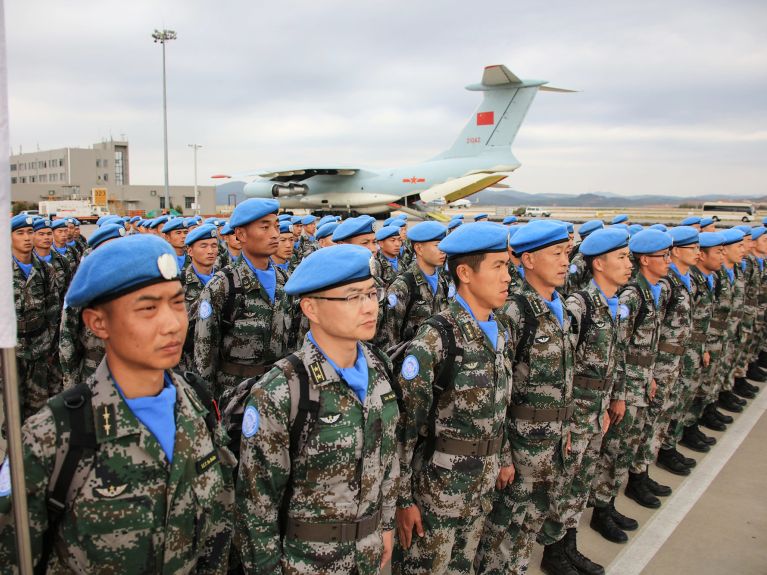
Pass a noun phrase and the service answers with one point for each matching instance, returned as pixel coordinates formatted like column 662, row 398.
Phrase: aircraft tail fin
column 495, row 123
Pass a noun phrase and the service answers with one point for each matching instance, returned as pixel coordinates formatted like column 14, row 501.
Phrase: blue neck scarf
column 612, row 302
column 25, row 268
column 402, row 249
column 710, row 281
column 311, row 237
column 393, row 261
column 685, row 278
column 655, row 291
column 233, row 257
column 730, row 274
column 71, row 244
column 760, row 261
column 181, row 260
column 521, row 271
column 743, row 264
column 157, row 413
column 281, row 266
column 296, row 245
column 46, row 259
column 204, row 278
column 267, row 277
column 356, row 377
column 62, row 251
column 555, row 305
column 489, row 327
column 431, row 280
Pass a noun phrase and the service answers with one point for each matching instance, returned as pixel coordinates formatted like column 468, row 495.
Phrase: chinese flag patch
column 485, row 118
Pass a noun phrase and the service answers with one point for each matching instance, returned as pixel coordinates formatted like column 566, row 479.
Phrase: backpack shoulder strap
column 411, row 297
column 202, row 389
column 529, row 325
column 587, row 317
column 233, row 291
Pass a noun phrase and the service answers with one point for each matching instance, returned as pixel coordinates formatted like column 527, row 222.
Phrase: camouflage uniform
column 410, row 310
column 128, row 509
column 639, row 339
column 579, row 275
column 538, row 422
column 734, row 334
column 675, row 332
column 717, row 342
column 192, row 286
column 453, row 487
column 226, row 354
column 751, row 289
column 307, row 245
column 517, row 279
column 596, row 358
column 387, row 272
column 346, row 471
column 406, row 253
column 80, row 351
column 37, row 305
column 63, row 270
column 760, row 327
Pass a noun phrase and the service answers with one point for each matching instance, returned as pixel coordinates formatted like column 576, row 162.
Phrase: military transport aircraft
column 481, row 157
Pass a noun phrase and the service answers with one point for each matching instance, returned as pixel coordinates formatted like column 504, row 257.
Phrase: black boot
column 602, row 522
column 625, row 523
column 762, row 361
column 740, row 388
column 736, row 398
column 727, row 401
column 637, row 489
column 707, row 439
column 692, row 440
column 755, row 373
column 583, row 564
column 656, row 488
column 723, row 417
column 667, row 461
column 711, row 421
column 555, row 561
column 687, row 461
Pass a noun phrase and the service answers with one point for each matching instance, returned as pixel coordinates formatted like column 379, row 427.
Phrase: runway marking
column 634, row 558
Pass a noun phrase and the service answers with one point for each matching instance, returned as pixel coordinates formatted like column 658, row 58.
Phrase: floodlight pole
column 196, row 147
column 163, row 37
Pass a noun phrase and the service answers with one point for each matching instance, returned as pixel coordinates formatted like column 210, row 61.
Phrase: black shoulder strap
column 228, row 312
column 529, row 327
column 411, row 297
column 202, row 389
column 642, row 305
column 586, row 318
column 82, row 440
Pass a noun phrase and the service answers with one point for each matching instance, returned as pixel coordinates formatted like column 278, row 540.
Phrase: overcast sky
column 672, row 95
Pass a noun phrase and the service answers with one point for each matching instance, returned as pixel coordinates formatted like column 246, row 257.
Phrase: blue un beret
column 509, row 220
column 757, row 232
column 203, row 232
column 398, row 223
column 144, row 260
column 226, row 230
column 110, row 219
column 211, row 221
column 684, row 236
column 189, row 222
column 477, row 238
column 732, row 236
column 590, row 226
column 690, row 221
column 56, row 224
column 387, row 232
column 661, row 227
column 296, row 220
column 746, row 229
column 134, row 219
column 649, row 241
column 283, row 217
column 634, row 228
column 153, row 223
column 325, row 219
column 454, row 224
column 427, row 232
column 513, row 230
column 706, row 222
column 104, row 233
column 174, row 224
column 387, row 221
column 480, row 217
column 41, row 224
column 286, row 227
column 604, row 241
column 21, row 221
column 330, row 267
column 104, row 217
column 620, row 226
column 401, row 216
column 306, row 220
column 539, row 234
column 619, row 219
column 569, row 225
column 711, row 239
column 252, row 210
column 353, row 227
column 326, row 230
column 457, row 217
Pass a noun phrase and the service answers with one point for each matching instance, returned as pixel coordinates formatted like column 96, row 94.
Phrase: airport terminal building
column 62, row 173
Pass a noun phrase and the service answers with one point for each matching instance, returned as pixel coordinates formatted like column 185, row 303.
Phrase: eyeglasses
column 666, row 256
column 357, row 299
column 694, row 247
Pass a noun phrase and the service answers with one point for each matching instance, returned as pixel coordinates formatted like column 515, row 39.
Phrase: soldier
column 540, row 410
column 707, row 224
column 620, row 219
column 62, row 266
column 456, row 382
column 139, row 485
column 80, row 351
column 595, row 312
column 78, row 237
column 60, row 239
column 282, row 257
column 202, row 250
column 389, row 244
column 324, row 234
column 317, row 489
column 175, row 232
column 244, row 315
column 756, row 369
column 693, row 221
column 132, row 225
column 308, row 242
column 516, row 271
column 480, row 217
column 642, row 302
column 36, row 297
column 359, row 231
column 509, row 220
column 578, row 273
column 419, row 291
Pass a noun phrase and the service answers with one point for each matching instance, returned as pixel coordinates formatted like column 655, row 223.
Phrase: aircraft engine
column 289, row 189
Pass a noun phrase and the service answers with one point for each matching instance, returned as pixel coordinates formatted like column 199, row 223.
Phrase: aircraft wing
column 458, row 188
column 293, row 174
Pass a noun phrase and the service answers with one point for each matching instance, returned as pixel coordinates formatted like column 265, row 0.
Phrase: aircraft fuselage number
column 473, row 140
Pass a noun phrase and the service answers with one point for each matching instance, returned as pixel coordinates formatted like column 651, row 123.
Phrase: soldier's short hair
column 471, row 260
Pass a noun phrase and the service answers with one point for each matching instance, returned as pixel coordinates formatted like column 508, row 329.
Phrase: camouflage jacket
column 543, row 365
column 751, row 288
column 128, row 509
column 731, row 301
column 675, row 329
column 472, row 407
column 406, row 254
column 517, row 279
column 306, row 246
column 347, row 469
column 704, row 298
column 596, row 357
column 80, row 351
column 192, row 287
column 258, row 335
column 639, row 339
column 407, row 311
column 762, row 274
column 38, row 306
column 578, row 274
column 63, row 271
column 387, row 272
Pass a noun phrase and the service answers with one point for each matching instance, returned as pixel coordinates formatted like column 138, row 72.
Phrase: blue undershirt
column 760, row 261
column 555, row 305
column 612, row 302
column 46, row 259
column 743, row 264
column 62, row 251
column 431, row 280
column 655, row 291
column 730, row 274
column 356, row 377
column 489, row 327
column 71, row 244
column 685, row 278
column 393, row 261
column 157, row 413
column 281, row 266
column 203, row 278
column 267, row 277
column 521, row 271
column 25, row 268
column 710, row 281
column 181, row 260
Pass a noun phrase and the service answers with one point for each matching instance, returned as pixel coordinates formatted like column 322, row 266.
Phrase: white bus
column 740, row 211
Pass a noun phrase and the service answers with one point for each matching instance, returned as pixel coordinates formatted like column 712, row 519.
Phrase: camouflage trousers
column 310, row 558
column 34, row 384
column 448, row 546
column 686, row 390
column 619, row 447
column 519, row 511
column 742, row 353
column 658, row 412
column 729, row 355
column 707, row 390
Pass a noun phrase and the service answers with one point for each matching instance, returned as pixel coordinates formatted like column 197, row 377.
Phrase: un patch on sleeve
column 250, row 421
column 410, row 367
column 5, row 478
column 623, row 311
column 573, row 268
column 392, row 299
column 205, row 309
column 451, row 290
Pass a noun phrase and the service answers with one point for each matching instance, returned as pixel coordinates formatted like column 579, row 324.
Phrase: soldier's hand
column 388, row 545
column 617, row 411
column 605, row 422
column 706, row 359
column 505, row 476
column 407, row 518
column 568, row 445
column 653, row 388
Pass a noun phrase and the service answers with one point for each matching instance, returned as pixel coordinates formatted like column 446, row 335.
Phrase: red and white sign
column 485, row 118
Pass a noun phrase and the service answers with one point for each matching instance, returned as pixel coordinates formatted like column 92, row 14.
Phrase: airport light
column 164, row 36
column 196, row 147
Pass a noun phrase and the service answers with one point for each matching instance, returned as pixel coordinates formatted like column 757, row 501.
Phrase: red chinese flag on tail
column 485, row 118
